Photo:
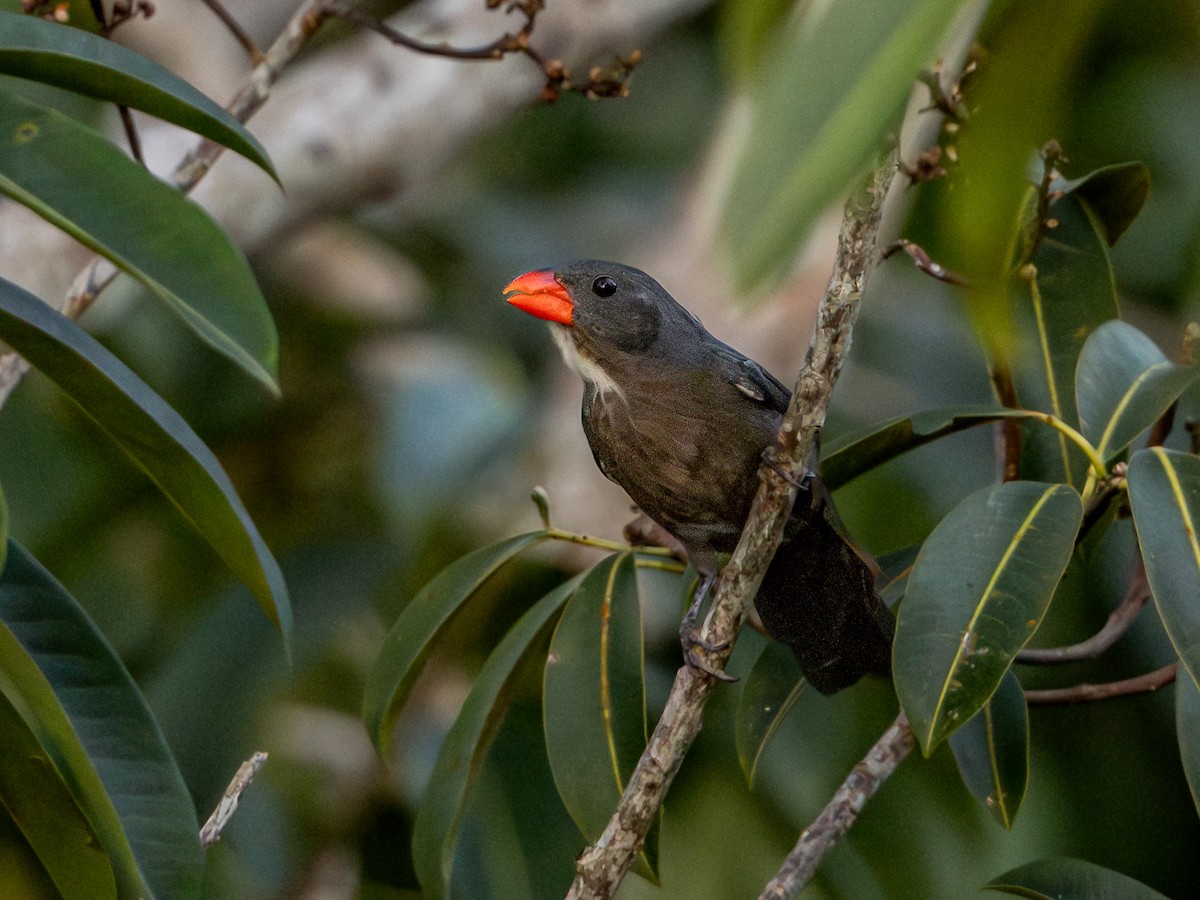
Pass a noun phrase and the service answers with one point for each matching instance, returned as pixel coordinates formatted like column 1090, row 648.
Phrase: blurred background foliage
column 413, row 425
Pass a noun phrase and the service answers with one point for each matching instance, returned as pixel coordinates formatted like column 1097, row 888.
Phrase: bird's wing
column 753, row 380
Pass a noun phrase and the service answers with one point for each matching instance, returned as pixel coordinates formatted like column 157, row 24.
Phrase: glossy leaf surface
column 1164, row 491
column 858, row 453
column 977, row 592
column 992, row 751
column 408, row 644
column 1063, row 878
column 154, row 436
column 35, row 794
column 79, row 182
column 1071, row 293
column 72, row 59
column 93, row 722
column 772, row 688
column 594, row 698
column 1114, row 194
column 1187, row 727
column 1124, row 383
column 435, row 835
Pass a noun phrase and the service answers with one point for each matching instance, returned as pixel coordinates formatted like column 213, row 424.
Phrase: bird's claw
column 694, row 645
column 801, row 482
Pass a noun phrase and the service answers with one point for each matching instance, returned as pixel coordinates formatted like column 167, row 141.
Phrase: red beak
column 540, row 294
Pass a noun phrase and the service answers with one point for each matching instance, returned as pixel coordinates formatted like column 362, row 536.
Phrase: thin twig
column 841, row 812
column 228, row 804
column 239, row 33
column 1090, row 693
column 1119, row 622
column 131, row 135
column 612, row 82
column 603, row 865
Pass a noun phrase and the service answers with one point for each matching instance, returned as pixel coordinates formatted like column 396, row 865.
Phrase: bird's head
column 605, row 311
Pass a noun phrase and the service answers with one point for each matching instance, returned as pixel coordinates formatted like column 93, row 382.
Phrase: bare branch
column 603, row 865
column 1089, row 693
column 211, row 832
column 612, row 82
column 1119, row 622
column 239, row 34
column 842, row 811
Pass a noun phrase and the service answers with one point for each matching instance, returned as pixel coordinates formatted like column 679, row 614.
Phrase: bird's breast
column 688, row 464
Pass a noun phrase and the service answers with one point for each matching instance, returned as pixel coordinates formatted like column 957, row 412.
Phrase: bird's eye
column 604, row 286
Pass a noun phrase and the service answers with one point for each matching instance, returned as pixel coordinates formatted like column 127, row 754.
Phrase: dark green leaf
column 594, row 700
column 78, row 181
column 1123, row 384
column 978, row 590
column 88, row 64
column 1063, row 878
column 1187, row 727
column 61, row 755
column 992, row 751
column 113, row 724
column 771, row 689
column 435, row 834
column 408, row 644
column 34, row 793
column 1071, row 293
column 1164, row 491
column 821, row 108
column 858, row 453
column 1115, row 195
column 151, row 433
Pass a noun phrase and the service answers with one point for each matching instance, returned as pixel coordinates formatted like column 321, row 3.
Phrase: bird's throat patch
column 588, row 369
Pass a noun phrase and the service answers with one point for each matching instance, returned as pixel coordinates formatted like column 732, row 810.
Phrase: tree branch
column 603, row 865
column 1119, row 622
column 1089, row 693
column 841, row 812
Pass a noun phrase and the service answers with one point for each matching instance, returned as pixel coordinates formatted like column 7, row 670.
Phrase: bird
column 681, row 421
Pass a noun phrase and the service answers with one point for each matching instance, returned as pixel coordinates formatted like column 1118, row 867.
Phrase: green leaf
column 113, row 724
column 1114, row 194
column 594, row 698
column 93, row 722
column 407, row 645
column 992, row 751
column 1072, row 293
column 88, row 64
column 1123, row 385
column 1187, row 727
column 154, row 436
column 771, row 690
column 435, row 834
column 1164, row 492
column 76, row 180
column 822, row 106
column 858, row 453
column 33, row 792
column 978, row 590
column 1063, row 878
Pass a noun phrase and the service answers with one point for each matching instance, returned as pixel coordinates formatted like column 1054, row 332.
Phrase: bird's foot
column 695, row 646
column 801, row 482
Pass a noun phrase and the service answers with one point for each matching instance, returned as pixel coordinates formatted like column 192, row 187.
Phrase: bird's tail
column 819, row 598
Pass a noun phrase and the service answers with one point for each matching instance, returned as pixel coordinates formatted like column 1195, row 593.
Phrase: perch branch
column 603, row 865
column 841, row 812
